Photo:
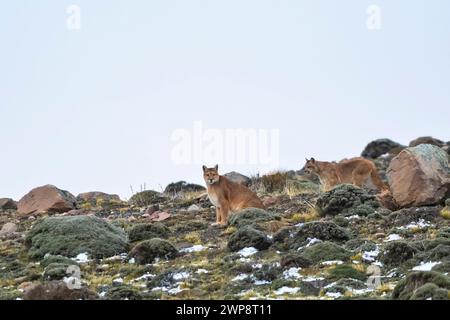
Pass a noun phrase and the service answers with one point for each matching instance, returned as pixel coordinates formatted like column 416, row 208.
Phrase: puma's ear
column 306, row 159
column 313, row 160
column 204, row 168
column 216, row 167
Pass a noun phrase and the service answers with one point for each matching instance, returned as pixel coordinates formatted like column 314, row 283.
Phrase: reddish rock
column 157, row 216
column 7, row 203
column 269, row 201
column 47, row 198
column 151, row 209
column 419, row 176
column 57, row 290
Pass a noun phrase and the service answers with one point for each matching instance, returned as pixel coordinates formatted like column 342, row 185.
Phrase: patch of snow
column 333, row 294
column 180, row 276
column 257, row 266
column 358, row 292
column 393, row 237
column 311, row 279
column 311, row 241
column 240, row 277
column 200, row 271
column 248, row 251
column 370, row 256
column 299, row 225
column 353, row 217
column 81, row 258
column 292, row 273
column 118, row 280
column 425, row 266
column 175, row 290
column 144, row 277
column 195, row 248
column 331, row 262
column 132, row 261
column 421, row 224
column 261, row 282
column 284, row 290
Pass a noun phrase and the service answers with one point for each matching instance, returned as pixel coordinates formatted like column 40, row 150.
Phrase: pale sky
column 95, row 108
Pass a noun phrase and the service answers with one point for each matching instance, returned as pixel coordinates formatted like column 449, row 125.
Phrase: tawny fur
column 355, row 171
column 228, row 196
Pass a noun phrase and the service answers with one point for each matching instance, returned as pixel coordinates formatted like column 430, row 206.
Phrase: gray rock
column 238, row 178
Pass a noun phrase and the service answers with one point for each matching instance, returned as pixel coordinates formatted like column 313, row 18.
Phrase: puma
column 228, row 196
column 357, row 171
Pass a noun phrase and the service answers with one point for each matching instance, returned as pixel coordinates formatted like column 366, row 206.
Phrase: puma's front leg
column 224, row 213
column 218, row 215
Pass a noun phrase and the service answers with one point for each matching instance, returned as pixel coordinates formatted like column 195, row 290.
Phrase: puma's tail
column 376, row 180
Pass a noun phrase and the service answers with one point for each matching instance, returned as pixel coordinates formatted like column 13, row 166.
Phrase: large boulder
column 147, row 251
column 93, row 196
column 48, row 199
column 238, row 178
column 71, row 235
column 423, row 286
column 419, row 176
column 183, row 187
column 7, row 203
column 145, row 231
column 427, row 140
column 146, row 198
column 380, row 147
column 346, row 199
column 248, row 237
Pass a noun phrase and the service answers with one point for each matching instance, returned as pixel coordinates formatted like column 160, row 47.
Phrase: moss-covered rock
column 49, row 259
column 346, row 199
column 397, row 252
column 407, row 215
column 345, row 271
column 323, row 230
column 182, row 187
column 248, row 237
column 294, row 260
column 145, row 231
column 147, row 251
column 443, row 267
column 146, row 198
column 325, row 251
column 56, row 271
column 422, row 285
column 251, row 216
column 267, row 272
column 72, row 235
column 123, row 292
column 360, row 245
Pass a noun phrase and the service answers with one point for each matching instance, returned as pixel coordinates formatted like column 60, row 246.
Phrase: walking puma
column 355, row 171
column 228, row 196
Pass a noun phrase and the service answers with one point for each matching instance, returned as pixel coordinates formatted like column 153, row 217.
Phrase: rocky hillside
column 347, row 243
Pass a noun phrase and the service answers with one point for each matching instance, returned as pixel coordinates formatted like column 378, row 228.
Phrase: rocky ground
column 307, row 244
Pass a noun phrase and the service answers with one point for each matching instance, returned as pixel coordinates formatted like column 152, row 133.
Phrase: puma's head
column 311, row 166
column 211, row 175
